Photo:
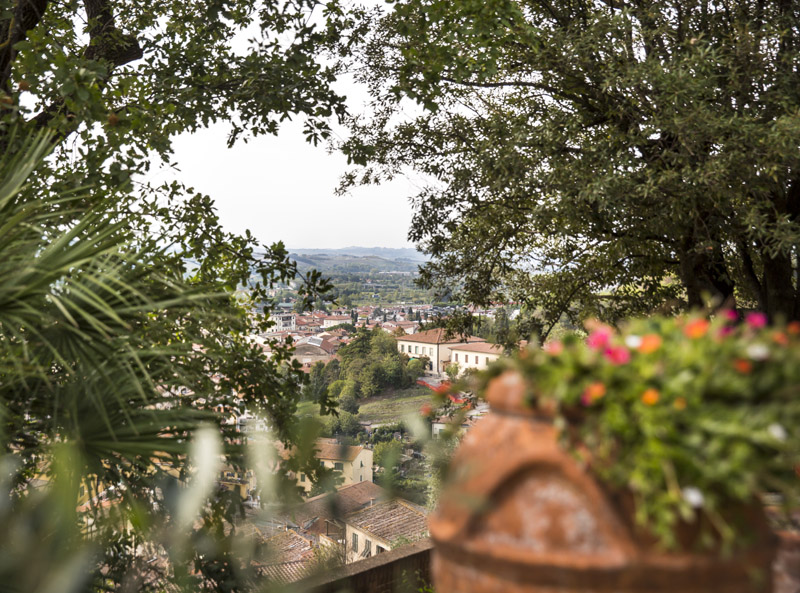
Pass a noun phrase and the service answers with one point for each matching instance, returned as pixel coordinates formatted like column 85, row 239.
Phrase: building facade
column 477, row 356
column 354, row 463
column 433, row 344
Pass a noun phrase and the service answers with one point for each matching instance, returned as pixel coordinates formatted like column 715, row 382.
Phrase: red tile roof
column 291, row 557
column 481, row 347
column 390, row 520
column 333, row 451
column 438, row 336
column 330, row 507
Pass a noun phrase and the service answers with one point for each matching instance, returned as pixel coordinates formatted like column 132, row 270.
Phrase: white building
column 433, row 344
column 334, row 320
column 283, row 322
column 477, row 356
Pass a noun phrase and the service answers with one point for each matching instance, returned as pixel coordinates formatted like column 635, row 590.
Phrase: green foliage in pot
column 693, row 417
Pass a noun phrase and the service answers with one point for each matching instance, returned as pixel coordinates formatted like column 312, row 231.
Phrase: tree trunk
column 705, row 275
column 779, row 291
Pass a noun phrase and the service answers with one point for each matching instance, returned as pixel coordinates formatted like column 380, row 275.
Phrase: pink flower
column 730, row 314
column 599, row 338
column 756, row 319
column 724, row 332
column 617, row 355
column 554, row 348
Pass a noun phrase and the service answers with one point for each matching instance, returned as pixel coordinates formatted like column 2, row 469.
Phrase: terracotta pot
column 520, row 515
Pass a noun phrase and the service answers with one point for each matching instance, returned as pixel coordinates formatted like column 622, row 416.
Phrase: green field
column 392, row 406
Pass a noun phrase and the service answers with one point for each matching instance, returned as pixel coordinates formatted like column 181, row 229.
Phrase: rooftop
column 480, row 347
column 290, row 558
column 335, row 452
column 391, row 519
column 438, row 336
column 313, row 514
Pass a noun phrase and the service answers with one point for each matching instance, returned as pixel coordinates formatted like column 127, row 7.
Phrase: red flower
column 455, row 398
column 743, row 366
column 443, row 388
column 793, row 328
column 426, row 409
column 617, row 355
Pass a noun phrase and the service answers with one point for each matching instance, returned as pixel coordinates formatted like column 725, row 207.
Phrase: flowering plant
column 689, row 415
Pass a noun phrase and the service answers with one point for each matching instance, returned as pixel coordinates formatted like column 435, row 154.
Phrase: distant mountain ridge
column 359, row 260
column 408, row 254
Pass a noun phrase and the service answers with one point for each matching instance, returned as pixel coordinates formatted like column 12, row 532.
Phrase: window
column 362, row 463
column 402, row 348
column 416, row 349
column 355, row 542
column 487, row 361
column 430, row 351
column 367, row 548
column 456, row 359
column 379, row 550
column 338, row 466
column 302, row 477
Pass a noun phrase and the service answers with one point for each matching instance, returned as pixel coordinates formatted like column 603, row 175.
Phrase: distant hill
column 388, row 253
column 329, row 262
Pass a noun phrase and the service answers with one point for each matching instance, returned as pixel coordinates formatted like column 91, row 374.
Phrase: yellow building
column 354, row 463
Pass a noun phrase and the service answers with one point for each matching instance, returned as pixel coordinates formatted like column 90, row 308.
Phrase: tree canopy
column 123, row 327
column 593, row 158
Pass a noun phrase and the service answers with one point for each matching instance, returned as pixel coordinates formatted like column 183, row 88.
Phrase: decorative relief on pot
column 542, row 512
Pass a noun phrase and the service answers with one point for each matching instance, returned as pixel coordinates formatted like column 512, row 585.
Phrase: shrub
column 349, row 404
column 690, row 415
column 387, row 454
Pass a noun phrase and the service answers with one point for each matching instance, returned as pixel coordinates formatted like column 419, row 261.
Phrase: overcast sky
column 282, row 188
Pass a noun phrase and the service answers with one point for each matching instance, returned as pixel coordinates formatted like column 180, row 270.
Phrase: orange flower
column 426, row 409
column 793, row 328
column 679, row 403
column 593, row 392
column 650, row 397
column 743, row 366
column 696, row 328
column 650, row 343
column 780, row 338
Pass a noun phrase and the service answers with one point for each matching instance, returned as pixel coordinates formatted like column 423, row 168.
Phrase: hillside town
column 330, row 296
column 360, row 518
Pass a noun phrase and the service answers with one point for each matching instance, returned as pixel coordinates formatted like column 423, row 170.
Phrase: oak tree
column 593, row 157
